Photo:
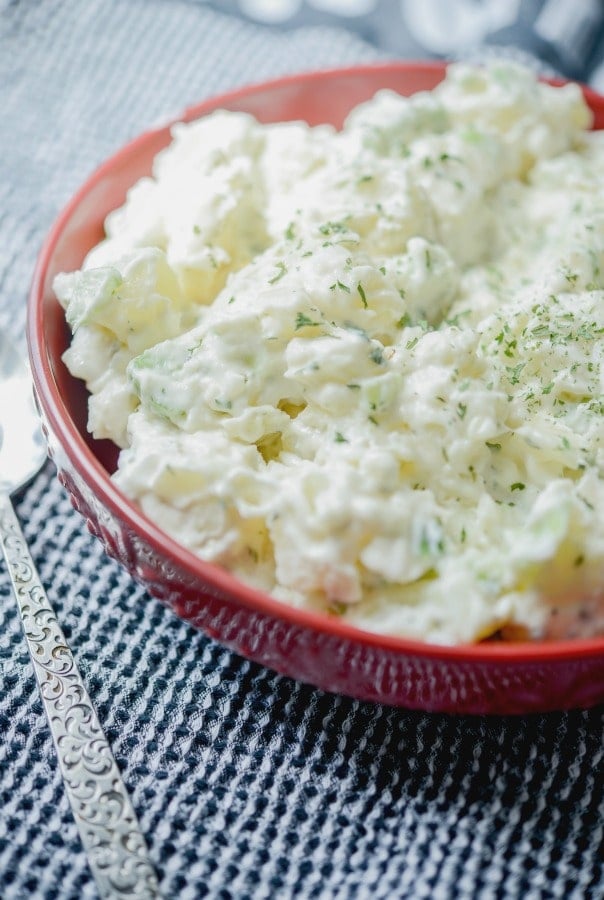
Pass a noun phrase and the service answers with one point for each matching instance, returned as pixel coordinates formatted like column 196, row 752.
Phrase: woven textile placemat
column 246, row 784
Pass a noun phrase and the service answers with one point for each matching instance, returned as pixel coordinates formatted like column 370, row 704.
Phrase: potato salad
column 362, row 369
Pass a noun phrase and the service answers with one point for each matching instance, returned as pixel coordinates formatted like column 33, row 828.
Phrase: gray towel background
column 246, row 784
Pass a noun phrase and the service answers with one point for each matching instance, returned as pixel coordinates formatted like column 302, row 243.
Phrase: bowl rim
column 215, row 577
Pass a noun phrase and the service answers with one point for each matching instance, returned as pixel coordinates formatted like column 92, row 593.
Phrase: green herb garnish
column 282, row 270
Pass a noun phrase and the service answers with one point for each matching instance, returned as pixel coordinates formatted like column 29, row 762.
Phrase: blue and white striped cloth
column 247, row 785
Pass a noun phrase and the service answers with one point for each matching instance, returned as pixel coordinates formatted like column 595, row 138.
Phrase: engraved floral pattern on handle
column 106, row 821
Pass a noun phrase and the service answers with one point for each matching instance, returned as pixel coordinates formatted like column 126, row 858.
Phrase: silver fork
column 112, row 839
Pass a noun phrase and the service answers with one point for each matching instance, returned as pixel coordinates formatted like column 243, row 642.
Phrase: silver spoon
column 106, row 821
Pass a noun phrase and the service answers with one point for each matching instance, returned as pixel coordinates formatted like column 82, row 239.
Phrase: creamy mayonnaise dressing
column 363, row 369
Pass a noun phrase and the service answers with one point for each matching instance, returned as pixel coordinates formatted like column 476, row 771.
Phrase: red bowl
column 485, row 678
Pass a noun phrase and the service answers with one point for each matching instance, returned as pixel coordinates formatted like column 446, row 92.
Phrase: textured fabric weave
column 246, row 784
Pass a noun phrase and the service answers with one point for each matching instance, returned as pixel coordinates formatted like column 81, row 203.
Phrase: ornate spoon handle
column 110, row 833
